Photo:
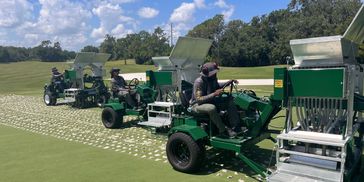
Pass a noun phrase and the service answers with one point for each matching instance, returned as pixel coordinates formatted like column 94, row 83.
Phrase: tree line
column 46, row 51
column 262, row 41
column 140, row 46
column 265, row 39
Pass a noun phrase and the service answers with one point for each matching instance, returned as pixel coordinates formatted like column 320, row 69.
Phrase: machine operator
column 119, row 88
column 58, row 79
column 205, row 100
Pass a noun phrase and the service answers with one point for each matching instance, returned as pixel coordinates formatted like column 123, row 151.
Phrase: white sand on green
column 84, row 126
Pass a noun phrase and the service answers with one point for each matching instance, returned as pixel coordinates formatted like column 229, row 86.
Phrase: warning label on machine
column 278, row 83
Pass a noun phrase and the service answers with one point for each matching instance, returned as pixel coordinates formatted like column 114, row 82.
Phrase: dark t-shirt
column 118, row 83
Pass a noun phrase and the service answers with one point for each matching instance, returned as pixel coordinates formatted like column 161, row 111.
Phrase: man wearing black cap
column 204, row 99
column 57, row 79
column 119, row 89
column 56, row 76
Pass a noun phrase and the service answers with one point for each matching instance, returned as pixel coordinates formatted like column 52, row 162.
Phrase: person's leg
column 127, row 97
column 130, row 100
column 210, row 109
column 135, row 96
column 233, row 115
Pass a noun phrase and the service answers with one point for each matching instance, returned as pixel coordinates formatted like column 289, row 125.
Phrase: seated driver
column 119, row 88
column 57, row 79
column 205, row 100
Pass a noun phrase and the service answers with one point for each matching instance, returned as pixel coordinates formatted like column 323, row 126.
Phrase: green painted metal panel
column 134, row 112
column 148, row 75
column 265, row 113
column 253, row 165
column 70, row 74
column 316, row 82
column 115, row 106
column 146, row 93
column 225, row 145
column 162, row 78
column 280, row 80
column 195, row 132
column 244, row 101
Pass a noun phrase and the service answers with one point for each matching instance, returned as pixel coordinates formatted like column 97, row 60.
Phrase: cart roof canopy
column 187, row 56
column 91, row 57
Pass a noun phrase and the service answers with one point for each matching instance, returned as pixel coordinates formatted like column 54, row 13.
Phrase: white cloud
column 121, row 1
column 98, row 32
column 108, row 14
column 184, row 13
column 221, row 4
column 228, row 10
column 200, row 3
column 120, row 31
column 62, row 17
column 148, row 12
column 14, row 12
column 77, row 23
column 183, row 17
column 112, row 21
column 59, row 20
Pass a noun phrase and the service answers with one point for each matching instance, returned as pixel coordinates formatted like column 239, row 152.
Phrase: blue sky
column 76, row 23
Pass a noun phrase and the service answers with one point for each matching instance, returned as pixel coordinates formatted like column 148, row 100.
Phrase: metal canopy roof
column 355, row 31
column 91, row 57
column 190, row 52
column 186, row 57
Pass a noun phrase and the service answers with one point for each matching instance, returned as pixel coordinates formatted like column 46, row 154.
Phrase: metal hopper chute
column 355, row 31
column 188, row 55
column 330, row 50
column 95, row 61
column 183, row 64
column 163, row 63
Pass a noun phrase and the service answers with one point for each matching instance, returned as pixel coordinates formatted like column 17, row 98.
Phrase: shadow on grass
column 218, row 159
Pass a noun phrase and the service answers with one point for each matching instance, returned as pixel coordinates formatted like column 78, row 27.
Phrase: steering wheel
column 133, row 83
column 231, row 84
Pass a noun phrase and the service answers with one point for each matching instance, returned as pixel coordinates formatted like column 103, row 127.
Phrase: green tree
column 107, row 46
column 232, row 50
column 210, row 29
column 46, row 52
column 121, row 49
column 90, row 48
column 4, row 55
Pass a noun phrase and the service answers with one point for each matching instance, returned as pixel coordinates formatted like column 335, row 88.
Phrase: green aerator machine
column 322, row 138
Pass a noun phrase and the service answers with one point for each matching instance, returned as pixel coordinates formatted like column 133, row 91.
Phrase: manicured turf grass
column 261, row 72
column 28, row 78
column 27, row 156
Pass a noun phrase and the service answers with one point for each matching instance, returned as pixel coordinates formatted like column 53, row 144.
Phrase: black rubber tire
column 101, row 100
column 184, row 154
column 48, row 99
column 111, row 119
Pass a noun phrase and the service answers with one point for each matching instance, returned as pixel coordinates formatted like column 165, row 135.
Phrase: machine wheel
column 80, row 102
column 111, row 118
column 48, row 99
column 101, row 100
column 183, row 153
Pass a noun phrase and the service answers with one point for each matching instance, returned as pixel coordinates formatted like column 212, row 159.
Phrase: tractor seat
column 186, row 96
